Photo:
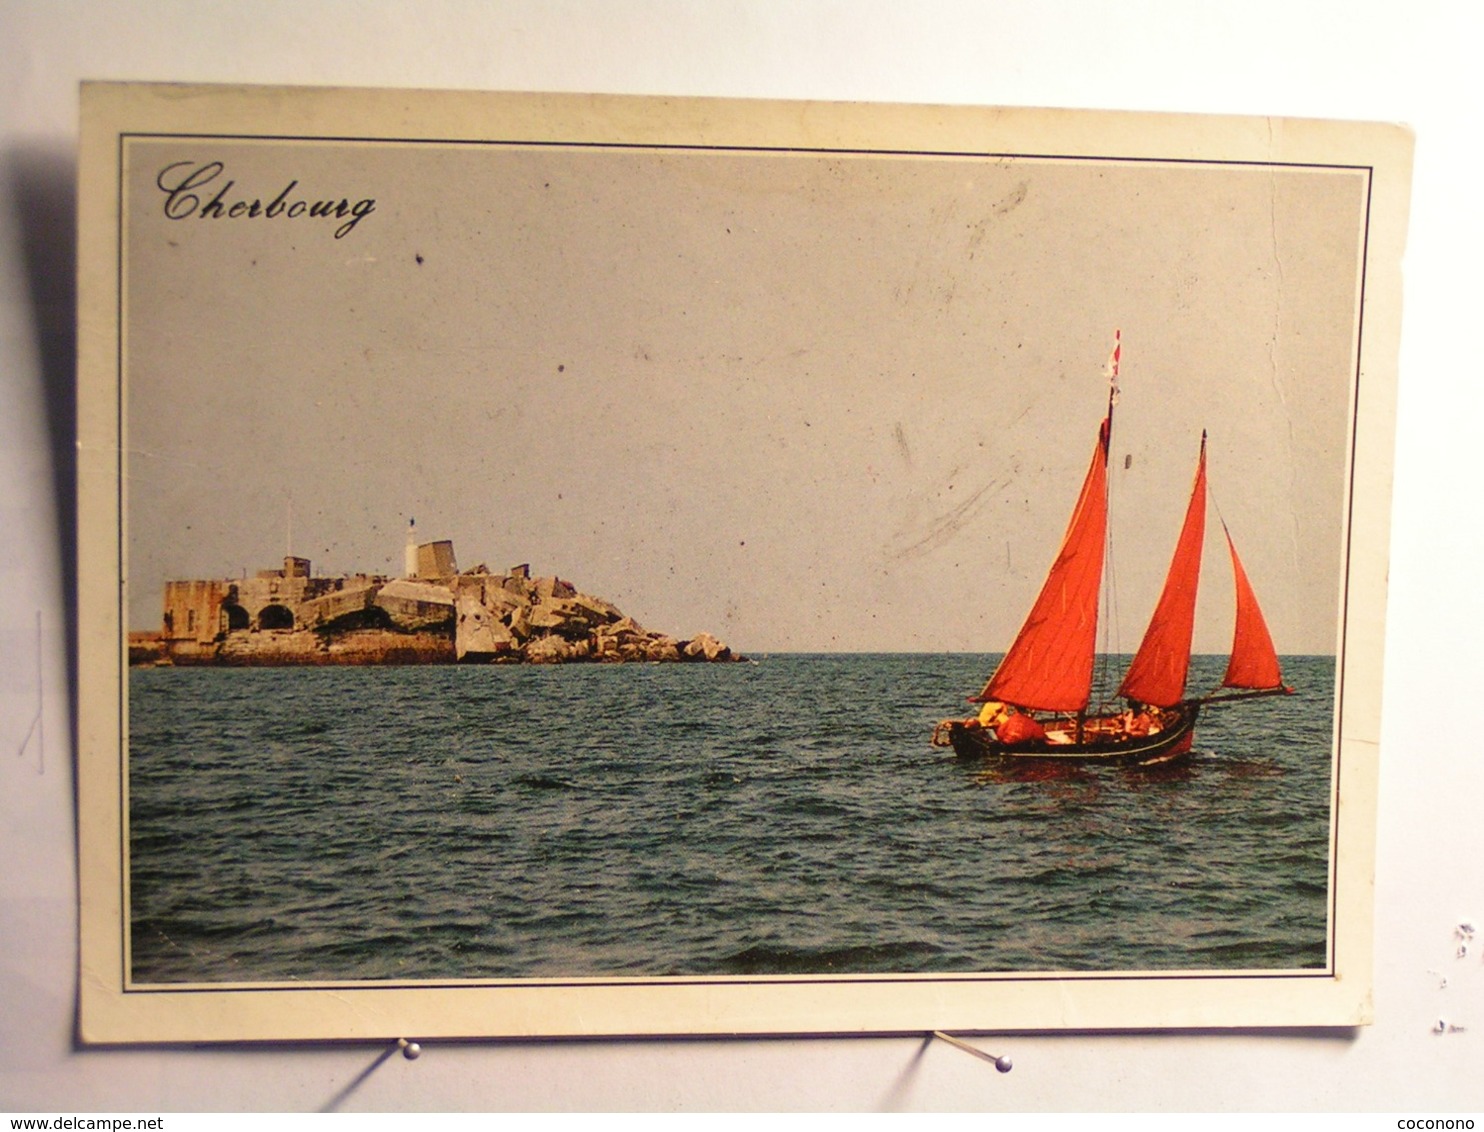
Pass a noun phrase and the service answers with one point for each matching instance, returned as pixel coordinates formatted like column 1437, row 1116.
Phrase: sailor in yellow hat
column 993, row 713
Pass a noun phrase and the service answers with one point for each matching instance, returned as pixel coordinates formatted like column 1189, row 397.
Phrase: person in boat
column 1008, row 724
column 1141, row 720
column 1018, row 727
column 992, row 714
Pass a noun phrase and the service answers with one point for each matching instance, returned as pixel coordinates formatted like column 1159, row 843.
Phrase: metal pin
column 1003, row 1064
column 410, row 1050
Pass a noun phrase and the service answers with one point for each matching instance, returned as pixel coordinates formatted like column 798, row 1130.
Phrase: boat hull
column 1171, row 743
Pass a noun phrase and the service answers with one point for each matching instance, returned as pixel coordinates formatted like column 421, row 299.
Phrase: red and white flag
column 1113, row 359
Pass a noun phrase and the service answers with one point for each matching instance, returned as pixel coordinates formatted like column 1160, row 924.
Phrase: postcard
column 597, row 566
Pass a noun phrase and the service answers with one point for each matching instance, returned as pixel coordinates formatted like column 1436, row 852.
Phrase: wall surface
column 1389, row 61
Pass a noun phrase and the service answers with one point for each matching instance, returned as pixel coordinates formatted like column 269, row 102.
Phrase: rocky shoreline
column 471, row 618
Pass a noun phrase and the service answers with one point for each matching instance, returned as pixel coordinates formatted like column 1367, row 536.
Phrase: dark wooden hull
column 1172, row 743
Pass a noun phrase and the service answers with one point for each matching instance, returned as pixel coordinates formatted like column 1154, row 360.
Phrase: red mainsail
column 1254, row 662
column 1159, row 669
column 1049, row 666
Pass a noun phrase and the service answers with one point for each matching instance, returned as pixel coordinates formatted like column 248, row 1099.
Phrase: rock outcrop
column 474, row 617
column 505, row 618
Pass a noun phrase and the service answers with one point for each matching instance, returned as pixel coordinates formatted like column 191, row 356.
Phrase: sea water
column 782, row 816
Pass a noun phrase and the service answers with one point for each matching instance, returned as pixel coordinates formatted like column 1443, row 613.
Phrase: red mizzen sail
column 1254, row 662
column 1049, row 667
column 1157, row 674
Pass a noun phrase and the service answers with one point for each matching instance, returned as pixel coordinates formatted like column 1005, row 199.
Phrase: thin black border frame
column 1328, row 972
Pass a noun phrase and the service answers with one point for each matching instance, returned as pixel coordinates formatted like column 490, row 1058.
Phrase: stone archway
column 276, row 617
column 234, row 618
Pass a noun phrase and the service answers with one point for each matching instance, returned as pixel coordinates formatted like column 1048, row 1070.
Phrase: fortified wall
column 434, row 615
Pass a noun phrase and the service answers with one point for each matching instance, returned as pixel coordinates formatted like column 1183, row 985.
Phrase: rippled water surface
column 783, row 816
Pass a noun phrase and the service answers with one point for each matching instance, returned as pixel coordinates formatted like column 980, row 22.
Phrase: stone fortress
column 432, row 615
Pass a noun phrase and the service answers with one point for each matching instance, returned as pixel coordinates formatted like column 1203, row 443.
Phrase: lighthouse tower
column 409, row 560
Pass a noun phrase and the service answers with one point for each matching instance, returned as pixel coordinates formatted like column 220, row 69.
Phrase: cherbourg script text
column 198, row 188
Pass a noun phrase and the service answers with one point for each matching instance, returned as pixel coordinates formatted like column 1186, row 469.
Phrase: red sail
column 1254, row 662
column 1157, row 674
column 1049, row 666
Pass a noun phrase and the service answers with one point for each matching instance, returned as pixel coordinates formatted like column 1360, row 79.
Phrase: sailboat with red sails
column 1037, row 705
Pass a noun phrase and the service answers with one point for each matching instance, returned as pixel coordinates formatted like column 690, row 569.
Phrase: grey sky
column 803, row 402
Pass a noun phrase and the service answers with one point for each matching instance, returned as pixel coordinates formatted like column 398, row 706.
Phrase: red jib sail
column 1254, row 662
column 1049, row 666
column 1159, row 669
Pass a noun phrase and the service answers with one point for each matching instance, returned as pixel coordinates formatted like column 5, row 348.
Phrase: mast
column 1049, row 666
column 1115, row 359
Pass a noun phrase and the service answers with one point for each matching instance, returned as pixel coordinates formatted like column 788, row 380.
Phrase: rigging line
column 1106, row 615
column 1226, row 531
column 1110, row 604
column 1211, row 497
column 1112, row 576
